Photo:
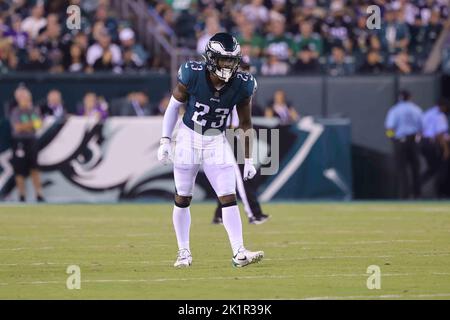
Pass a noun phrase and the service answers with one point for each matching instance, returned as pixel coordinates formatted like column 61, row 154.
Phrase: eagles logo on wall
column 82, row 160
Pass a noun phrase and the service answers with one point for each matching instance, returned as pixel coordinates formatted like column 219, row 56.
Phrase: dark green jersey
column 207, row 107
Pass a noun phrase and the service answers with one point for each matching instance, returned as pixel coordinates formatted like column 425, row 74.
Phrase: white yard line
column 247, row 278
column 28, row 248
column 388, row 241
column 326, row 257
column 164, row 262
column 274, row 244
column 350, row 275
column 441, row 273
column 269, row 245
column 159, row 280
column 126, row 246
column 384, row 296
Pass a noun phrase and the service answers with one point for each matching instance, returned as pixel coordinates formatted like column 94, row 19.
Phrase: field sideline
column 313, row 251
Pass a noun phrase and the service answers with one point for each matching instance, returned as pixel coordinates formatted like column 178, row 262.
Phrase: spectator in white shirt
column 256, row 13
column 97, row 50
column 35, row 22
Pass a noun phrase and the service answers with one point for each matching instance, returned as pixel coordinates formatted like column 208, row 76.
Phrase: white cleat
column 245, row 257
column 184, row 259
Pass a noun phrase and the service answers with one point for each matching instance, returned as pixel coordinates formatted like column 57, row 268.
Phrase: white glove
column 164, row 151
column 249, row 169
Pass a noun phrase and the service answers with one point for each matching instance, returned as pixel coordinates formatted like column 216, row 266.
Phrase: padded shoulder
column 188, row 71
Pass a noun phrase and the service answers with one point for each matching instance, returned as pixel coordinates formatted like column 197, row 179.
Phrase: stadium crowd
column 277, row 36
column 311, row 36
column 35, row 37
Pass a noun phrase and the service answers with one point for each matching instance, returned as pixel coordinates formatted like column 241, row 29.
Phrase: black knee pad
column 229, row 204
column 182, row 201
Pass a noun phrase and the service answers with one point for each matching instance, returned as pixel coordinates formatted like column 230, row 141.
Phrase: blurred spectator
column 104, row 15
column 50, row 44
column 129, row 62
column 14, row 102
column 278, row 43
column 339, row 64
column 308, row 40
column 402, row 63
column 364, row 40
column 280, row 108
column 247, row 36
column 17, row 35
column 272, row 66
column 169, row 20
column 306, row 62
column 88, row 7
column 36, row 61
column 25, row 121
column 308, row 48
column 361, row 36
column 408, row 9
column 162, row 106
column 256, row 13
column 418, row 33
column 212, row 27
column 35, row 22
column 403, row 123
column 434, row 145
column 8, row 57
column 106, row 55
column 136, row 55
column 81, row 40
column 373, row 63
column 336, row 27
column 394, row 33
column 94, row 107
column 166, row 19
column 98, row 29
column 77, row 59
column 137, row 105
column 252, row 63
column 54, row 105
column 22, row 7
column 75, row 53
column 185, row 29
column 104, row 63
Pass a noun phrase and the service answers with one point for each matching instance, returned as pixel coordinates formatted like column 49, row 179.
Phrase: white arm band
column 233, row 119
column 171, row 117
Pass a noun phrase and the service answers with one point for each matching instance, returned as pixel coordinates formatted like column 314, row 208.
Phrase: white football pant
column 212, row 152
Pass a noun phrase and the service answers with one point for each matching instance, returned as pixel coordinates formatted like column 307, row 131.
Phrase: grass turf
column 311, row 251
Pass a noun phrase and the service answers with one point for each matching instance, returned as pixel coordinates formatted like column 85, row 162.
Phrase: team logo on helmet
column 223, row 55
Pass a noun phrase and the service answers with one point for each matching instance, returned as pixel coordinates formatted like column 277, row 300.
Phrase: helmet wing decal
column 219, row 48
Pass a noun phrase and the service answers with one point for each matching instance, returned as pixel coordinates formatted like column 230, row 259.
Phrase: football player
column 209, row 89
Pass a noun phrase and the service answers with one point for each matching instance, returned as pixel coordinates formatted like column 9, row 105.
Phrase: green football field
column 312, row 251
